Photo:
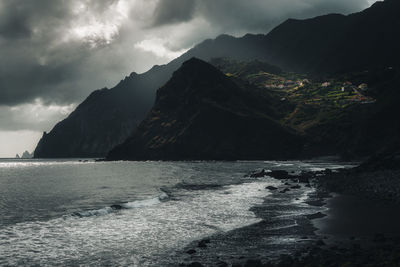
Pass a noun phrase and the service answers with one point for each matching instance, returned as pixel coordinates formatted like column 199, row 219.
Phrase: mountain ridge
column 202, row 114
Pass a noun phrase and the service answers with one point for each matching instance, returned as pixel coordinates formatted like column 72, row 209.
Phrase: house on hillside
column 363, row 87
column 325, row 84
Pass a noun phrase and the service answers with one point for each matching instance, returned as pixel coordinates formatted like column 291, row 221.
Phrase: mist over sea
column 71, row 212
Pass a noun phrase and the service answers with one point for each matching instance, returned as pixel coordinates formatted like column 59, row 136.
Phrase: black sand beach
column 345, row 229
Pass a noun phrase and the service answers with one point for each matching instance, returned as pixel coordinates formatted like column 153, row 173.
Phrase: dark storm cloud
column 173, row 11
column 18, row 17
column 13, row 26
column 43, row 54
column 253, row 15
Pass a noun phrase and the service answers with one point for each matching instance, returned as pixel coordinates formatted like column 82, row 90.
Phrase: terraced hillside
column 332, row 112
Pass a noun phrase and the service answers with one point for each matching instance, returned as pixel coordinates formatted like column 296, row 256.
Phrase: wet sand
column 352, row 216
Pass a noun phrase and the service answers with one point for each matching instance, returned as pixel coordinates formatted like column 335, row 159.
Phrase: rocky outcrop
column 26, row 155
column 202, row 114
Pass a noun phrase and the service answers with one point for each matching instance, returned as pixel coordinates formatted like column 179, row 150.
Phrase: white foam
column 148, row 228
column 98, row 212
column 146, row 202
column 38, row 163
column 130, row 205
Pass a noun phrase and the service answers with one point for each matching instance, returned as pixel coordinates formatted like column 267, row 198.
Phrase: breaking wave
column 124, row 206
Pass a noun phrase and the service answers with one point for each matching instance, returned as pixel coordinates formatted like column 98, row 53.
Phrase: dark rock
column 203, row 243
column 316, row 216
column 316, row 203
column 272, row 188
column 285, row 190
column 195, row 264
column 259, row 174
column 253, row 263
column 296, row 187
column 117, row 207
column 191, row 251
column 279, row 174
column 305, row 177
column 320, row 243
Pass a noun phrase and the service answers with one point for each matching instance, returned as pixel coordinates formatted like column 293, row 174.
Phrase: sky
column 53, row 53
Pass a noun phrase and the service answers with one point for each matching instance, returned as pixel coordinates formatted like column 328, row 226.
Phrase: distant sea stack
column 202, row 114
column 27, row 155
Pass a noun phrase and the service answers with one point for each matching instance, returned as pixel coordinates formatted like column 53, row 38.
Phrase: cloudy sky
column 53, row 53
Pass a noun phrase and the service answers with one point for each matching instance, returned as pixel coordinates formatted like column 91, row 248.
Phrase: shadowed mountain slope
column 202, row 114
column 336, row 43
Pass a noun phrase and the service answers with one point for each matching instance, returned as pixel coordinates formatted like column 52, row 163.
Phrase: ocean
column 82, row 212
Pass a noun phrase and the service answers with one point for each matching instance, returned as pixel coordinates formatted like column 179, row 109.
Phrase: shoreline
column 285, row 227
column 351, row 229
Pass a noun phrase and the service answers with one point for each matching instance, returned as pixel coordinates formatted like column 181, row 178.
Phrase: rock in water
column 27, row 155
column 259, row 174
column 279, row 174
column 272, row 188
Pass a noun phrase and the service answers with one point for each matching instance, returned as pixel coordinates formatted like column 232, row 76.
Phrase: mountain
column 336, row 43
column 108, row 116
column 200, row 113
column 323, row 46
column 104, row 119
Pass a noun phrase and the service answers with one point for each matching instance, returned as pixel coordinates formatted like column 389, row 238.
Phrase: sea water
column 79, row 212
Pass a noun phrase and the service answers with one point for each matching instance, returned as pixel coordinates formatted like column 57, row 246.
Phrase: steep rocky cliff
column 202, row 114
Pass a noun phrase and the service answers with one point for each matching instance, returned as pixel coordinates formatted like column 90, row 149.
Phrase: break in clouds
column 54, row 52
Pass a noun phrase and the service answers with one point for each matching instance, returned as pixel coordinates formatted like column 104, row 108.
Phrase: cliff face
column 202, row 114
column 105, row 119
